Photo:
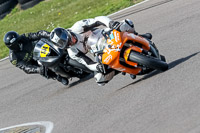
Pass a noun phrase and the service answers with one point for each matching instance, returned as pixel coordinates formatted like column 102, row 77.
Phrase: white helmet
column 61, row 37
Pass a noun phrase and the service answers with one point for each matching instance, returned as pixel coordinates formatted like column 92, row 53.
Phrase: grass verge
column 56, row 13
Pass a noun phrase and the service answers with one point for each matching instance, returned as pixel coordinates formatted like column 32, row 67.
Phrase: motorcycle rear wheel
column 148, row 61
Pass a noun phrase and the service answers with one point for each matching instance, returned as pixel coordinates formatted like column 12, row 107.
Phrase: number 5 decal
column 44, row 50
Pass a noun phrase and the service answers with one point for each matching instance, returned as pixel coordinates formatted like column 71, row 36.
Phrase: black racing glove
column 43, row 71
column 100, row 68
column 37, row 35
column 47, row 73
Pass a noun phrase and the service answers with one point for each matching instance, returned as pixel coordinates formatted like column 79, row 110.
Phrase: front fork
column 153, row 51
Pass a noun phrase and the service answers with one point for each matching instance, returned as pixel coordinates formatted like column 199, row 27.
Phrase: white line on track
column 4, row 59
column 47, row 124
column 128, row 8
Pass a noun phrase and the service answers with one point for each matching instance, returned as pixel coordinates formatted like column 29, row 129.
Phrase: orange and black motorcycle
column 126, row 52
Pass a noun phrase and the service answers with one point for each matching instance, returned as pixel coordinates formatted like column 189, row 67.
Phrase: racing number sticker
column 44, row 50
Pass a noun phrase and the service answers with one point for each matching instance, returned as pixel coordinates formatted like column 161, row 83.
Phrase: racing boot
column 102, row 79
column 132, row 76
column 63, row 80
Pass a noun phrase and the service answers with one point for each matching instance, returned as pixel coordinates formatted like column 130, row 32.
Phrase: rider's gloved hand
column 115, row 25
column 100, row 68
column 43, row 71
column 47, row 73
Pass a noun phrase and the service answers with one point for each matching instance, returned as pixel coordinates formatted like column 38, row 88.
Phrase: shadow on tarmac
column 171, row 65
column 81, row 80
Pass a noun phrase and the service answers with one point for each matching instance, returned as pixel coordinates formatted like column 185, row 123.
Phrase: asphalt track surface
column 167, row 102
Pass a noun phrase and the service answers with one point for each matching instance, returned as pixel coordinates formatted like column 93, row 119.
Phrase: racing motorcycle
column 49, row 55
column 126, row 52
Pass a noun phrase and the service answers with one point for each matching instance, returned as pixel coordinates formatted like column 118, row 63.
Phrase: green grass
column 56, row 13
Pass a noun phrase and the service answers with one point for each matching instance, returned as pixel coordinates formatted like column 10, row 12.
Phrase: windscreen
column 42, row 49
column 96, row 41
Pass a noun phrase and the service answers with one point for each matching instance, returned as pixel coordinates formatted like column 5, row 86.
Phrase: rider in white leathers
column 77, row 42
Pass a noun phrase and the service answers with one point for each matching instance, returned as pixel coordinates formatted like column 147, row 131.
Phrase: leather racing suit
column 78, row 50
column 23, row 58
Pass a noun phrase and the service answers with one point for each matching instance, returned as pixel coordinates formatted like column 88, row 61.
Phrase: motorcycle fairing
column 47, row 53
column 45, row 50
column 111, row 55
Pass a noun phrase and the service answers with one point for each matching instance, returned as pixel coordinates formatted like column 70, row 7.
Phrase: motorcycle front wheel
column 148, row 61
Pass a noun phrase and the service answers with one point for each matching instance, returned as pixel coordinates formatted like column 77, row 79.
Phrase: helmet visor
column 15, row 45
column 62, row 42
column 61, row 38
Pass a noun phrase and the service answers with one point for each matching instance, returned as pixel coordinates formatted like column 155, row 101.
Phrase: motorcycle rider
column 21, row 53
column 75, row 39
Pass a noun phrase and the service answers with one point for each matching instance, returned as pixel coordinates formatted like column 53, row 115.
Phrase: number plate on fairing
column 44, row 50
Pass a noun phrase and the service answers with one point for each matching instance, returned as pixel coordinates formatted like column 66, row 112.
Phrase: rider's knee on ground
column 102, row 79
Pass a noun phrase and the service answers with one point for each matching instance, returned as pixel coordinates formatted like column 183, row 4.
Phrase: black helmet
column 11, row 40
column 60, row 37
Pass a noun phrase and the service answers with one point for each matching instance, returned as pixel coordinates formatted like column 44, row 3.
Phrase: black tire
column 4, row 14
column 23, row 1
column 150, row 62
column 2, row 1
column 30, row 4
column 7, row 6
